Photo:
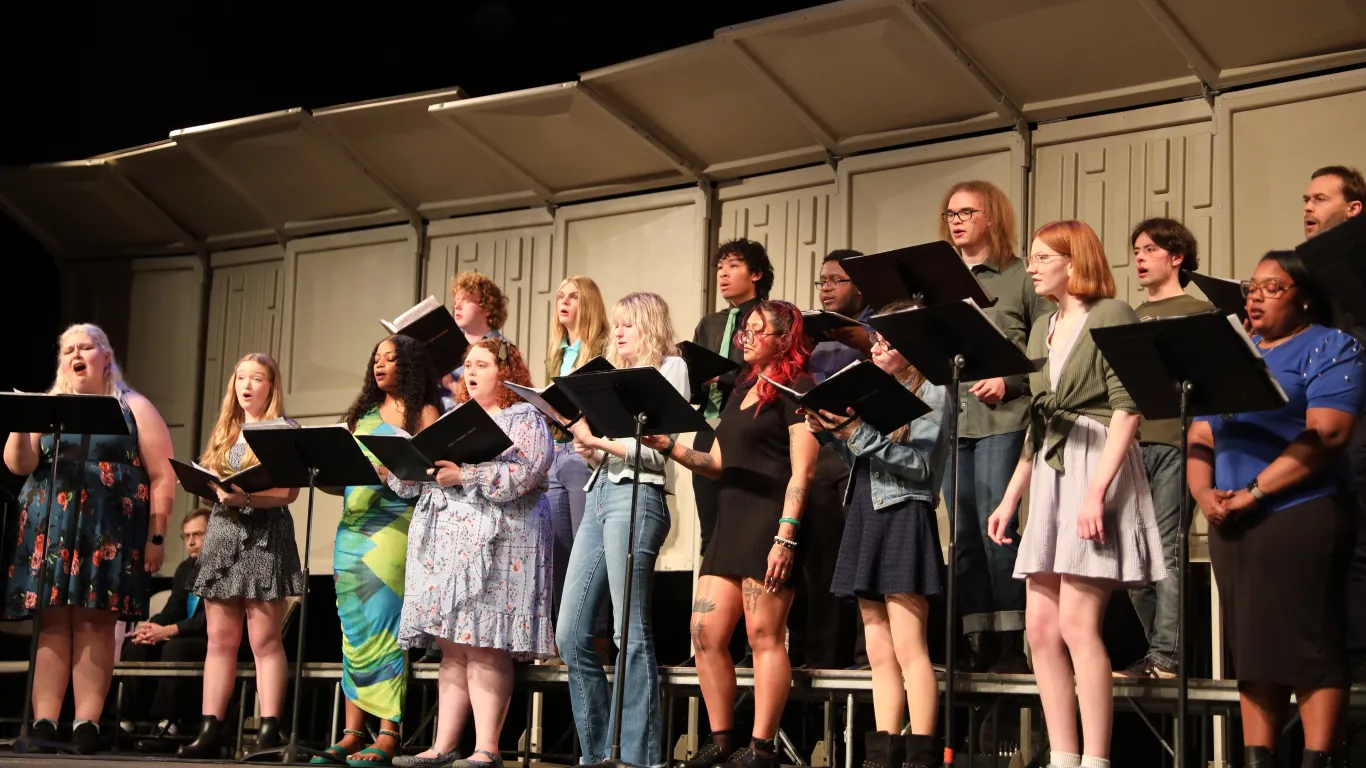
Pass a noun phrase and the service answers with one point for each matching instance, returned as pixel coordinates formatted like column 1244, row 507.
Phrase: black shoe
column 85, row 739
column 1314, row 759
column 921, row 752
column 158, row 742
column 42, row 731
column 720, row 747
column 1258, row 757
column 975, row 651
column 756, row 756
column 268, row 734
column 1010, row 660
column 205, row 746
column 432, row 656
column 883, row 750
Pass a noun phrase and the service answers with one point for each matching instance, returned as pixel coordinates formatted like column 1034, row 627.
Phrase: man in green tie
column 744, row 275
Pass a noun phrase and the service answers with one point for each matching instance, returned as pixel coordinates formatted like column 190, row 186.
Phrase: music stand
column 1181, row 367
column 950, row 343
column 56, row 415
column 630, row 402
column 306, row 457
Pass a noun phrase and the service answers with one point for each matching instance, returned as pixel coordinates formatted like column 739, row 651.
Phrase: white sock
column 127, row 726
column 77, row 724
column 1063, row 760
column 1094, row 762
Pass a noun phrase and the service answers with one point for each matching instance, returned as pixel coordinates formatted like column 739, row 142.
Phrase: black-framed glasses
column 965, row 214
column 833, row 282
column 1271, row 288
column 747, row 336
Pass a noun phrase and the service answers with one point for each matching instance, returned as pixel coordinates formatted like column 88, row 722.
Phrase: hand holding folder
column 203, row 482
column 430, row 323
column 465, row 435
column 870, row 392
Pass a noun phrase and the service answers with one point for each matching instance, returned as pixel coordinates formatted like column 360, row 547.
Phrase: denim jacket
column 899, row 471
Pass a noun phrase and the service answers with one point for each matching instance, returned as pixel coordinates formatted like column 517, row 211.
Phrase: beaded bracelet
column 789, row 543
column 792, row 521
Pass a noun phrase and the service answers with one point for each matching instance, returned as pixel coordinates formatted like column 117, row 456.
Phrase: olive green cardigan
column 1088, row 385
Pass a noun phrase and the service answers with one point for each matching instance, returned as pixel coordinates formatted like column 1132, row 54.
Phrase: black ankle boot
column 883, row 750
column 1011, row 659
column 42, row 731
column 85, row 739
column 921, row 752
column 1314, row 759
column 762, row 753
column 720, row 747
column 205, row 746
column 1258, row 757
column 268, row 734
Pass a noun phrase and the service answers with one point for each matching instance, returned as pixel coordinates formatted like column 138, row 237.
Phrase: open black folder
column 1337, row 260
column 934, row 272
column 430, row 323
column 703, row 364
column 200, row 481
column 610, row 402
column 289, row 452
column 465, row 435
column 552, row 401
column 875, row 395
column 818, row 322
column 1226, row 295
column 930, row 337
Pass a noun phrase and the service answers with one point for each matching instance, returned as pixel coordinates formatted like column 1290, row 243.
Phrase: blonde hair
column 649, row 315
column 1091, row 278
column 231, row 415
column 113, row 375
column 591, row 324
column 1000, row 214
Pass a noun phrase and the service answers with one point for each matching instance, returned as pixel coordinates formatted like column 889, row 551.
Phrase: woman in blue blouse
column 1275, row 487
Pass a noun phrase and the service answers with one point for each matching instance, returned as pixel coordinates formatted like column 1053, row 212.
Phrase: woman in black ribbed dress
column 770, row 457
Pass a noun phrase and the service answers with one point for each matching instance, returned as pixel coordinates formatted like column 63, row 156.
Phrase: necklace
column 1265, row 346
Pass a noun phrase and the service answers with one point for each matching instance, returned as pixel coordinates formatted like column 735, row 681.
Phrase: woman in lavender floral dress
column 479, row 573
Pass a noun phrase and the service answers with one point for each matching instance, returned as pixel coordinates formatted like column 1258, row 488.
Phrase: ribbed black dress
column 756, row 465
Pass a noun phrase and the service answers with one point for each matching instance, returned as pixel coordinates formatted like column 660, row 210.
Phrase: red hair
column 783, row 319
column 1091, row 278
column 511, row 368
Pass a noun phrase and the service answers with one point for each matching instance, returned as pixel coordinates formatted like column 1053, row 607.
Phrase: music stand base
column 612, row 764
column 22, row 745
column 300, row 754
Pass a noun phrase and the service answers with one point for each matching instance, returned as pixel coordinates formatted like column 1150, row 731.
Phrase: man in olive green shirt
column 1164, row 253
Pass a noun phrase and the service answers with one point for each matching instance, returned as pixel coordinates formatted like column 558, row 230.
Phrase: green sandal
column 386, row 758
column 336, row 749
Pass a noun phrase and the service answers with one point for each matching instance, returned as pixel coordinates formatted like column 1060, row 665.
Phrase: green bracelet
column 791, row 521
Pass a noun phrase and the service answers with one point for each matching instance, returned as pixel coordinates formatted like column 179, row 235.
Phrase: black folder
column 465, row 435
column 930, row 337
column 703, row 364
column 45, row 414
column 199, row 481
column 1211, row 351
column 610, row 402
column 288, row 451
column 1337, row 260
column 875, row 395
column 933, row 272
column 551, row 400
column 818, row 322
column 1226, row 295
column 430, row 323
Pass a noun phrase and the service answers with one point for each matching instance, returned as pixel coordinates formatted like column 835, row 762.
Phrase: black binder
column 430, row 323
column 199, row 481
column 612, row 400
column 289, row 451
column 875, row 395
column 1337, row 260
column 934, row 272
column 1226, row 295
column 930, row 337
column 1227, row 373
column 818, row 323
column 551, row 400
column 43, row 413
column 465, row 435
column 703, row 364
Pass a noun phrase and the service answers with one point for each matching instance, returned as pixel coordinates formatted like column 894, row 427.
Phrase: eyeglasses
column 833, row 282
column 747, row 336
column 1271, row 288
column 964, row 215
column 1040, row 259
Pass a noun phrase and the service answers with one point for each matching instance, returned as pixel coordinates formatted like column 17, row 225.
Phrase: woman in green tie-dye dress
column 398, row 397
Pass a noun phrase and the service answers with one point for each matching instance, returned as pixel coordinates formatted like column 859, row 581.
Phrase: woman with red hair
column 1091, row 526
column 770, row 457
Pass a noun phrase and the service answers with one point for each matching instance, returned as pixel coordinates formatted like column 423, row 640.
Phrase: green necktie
column 713, row 408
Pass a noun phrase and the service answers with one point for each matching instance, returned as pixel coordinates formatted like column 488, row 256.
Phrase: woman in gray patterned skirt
column 1091, row 526
column 248, row 565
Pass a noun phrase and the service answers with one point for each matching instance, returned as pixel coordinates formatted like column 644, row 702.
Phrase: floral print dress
column 93, row 548
column 479, row 554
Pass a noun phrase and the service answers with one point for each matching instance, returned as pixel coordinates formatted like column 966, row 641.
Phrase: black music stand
column 950, row 343
column 630, row 402
column 1182, row 367
column 56, row 415
column 306, row 457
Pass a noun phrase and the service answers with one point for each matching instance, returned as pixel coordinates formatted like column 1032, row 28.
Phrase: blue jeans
column 992, row 599
column 597, row 569
column 565, row 481
column 1156, row 604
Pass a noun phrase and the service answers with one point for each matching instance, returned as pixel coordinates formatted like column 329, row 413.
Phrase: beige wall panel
column 653, row 243
column 245, row 306
column 336, row 290
column 793, row 225
column 1115, row 181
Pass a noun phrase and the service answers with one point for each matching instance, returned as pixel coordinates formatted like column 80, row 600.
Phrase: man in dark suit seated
column 175, row 634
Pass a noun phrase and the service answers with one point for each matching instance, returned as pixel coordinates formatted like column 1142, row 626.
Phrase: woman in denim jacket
column 890, row 557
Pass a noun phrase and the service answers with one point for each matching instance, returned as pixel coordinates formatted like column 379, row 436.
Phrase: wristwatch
column 1255, row 491
column 157, row 539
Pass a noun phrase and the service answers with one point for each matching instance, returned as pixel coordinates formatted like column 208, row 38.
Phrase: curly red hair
column 511, row 368
column 784, row 319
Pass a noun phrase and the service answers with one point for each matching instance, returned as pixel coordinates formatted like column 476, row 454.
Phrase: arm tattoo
column 795, row 499
column 703, row 605
column 695, row 459
column 695, row 629
column 752, row 591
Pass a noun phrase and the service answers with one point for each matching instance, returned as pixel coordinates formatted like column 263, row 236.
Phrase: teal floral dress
column 99, row 527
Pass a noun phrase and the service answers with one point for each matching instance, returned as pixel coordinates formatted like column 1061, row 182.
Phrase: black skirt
column 889, row 551
column 1281, row 580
